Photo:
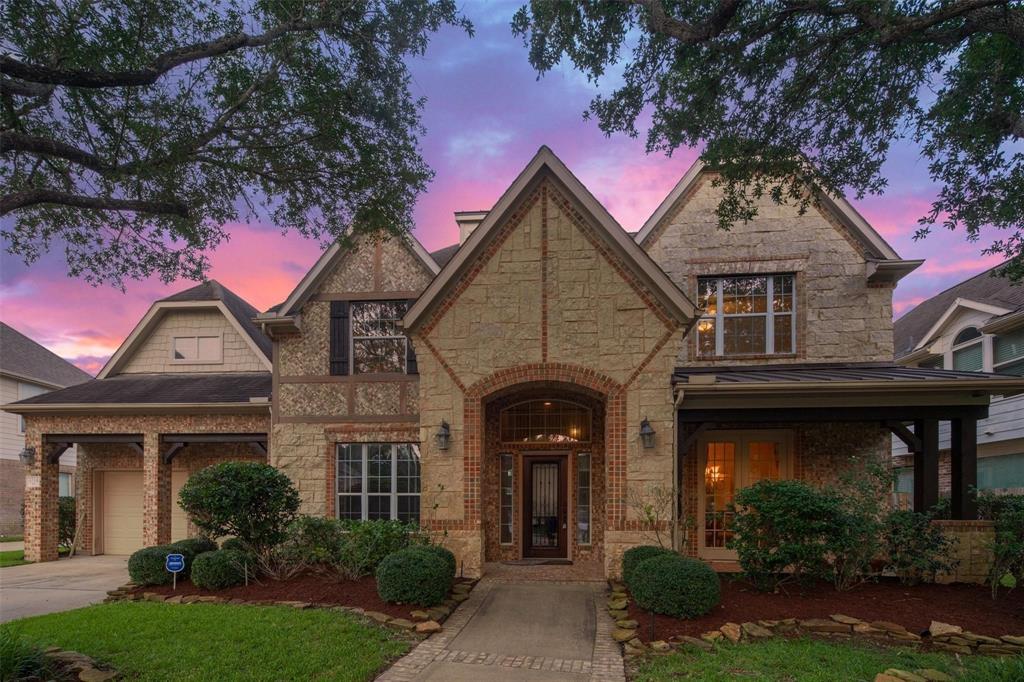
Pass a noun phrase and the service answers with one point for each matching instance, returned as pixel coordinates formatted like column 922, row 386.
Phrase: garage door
column 122, row 511
column 179, row 521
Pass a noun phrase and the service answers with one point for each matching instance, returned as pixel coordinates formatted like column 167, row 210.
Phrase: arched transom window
column 545, row 421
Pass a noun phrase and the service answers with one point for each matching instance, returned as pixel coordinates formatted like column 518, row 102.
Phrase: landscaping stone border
column 86, row 668
column 423, row 622
column 939, row 636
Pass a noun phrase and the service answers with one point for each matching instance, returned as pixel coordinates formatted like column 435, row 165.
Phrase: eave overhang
column 253, row 406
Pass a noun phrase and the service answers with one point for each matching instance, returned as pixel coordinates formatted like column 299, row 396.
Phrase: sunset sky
column 486, row 115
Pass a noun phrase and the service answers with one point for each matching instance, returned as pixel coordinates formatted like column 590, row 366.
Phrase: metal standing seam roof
column 141, row 389
column 825, row 373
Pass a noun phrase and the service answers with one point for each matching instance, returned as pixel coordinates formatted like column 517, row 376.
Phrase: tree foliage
column 769, row 86
column 133, row 130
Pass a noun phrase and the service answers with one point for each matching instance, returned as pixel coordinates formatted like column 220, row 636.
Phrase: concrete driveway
column 62, row 585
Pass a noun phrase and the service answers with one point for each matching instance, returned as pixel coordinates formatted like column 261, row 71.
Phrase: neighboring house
column 975, row 326
column 26, row 370
column 522, row 393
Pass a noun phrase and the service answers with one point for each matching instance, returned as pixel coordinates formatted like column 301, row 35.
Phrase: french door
column 545, row 521
column 729, row 461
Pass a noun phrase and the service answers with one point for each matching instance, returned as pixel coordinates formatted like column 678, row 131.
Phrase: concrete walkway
column 51, row 586
column 535, row 632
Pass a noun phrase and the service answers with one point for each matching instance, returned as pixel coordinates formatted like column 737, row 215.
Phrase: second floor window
column 378, row 344
column 746, row 315
column 196, row 349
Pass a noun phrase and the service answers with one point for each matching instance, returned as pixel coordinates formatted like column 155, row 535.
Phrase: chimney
column 468, row 221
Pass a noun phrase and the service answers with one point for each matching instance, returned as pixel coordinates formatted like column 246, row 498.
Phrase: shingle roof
column 21, row 356
column 442, row 256
column 202, row 387
column 240, row 309
column 985, row 287
column 826, row 372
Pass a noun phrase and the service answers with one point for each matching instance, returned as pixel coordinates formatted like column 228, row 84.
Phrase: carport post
column 156, row 493
column 41, row 489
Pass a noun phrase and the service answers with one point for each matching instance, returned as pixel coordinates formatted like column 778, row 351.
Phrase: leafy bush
column 314, row 541
column 413, row 576
column 221, row 568
column 249, row 500
column 234, row 543
column 634, row 556
column 195, row 546
column 368, row 542
column 444, row 554
column 783, row 530
column 855, row 539
column 675, row 586
column 65, row 521
column 147, row 565
column 1007, row 546
column 916, row 548
column 19, row 658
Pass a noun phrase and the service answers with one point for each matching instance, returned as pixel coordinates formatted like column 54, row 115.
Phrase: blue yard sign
column 175, row 563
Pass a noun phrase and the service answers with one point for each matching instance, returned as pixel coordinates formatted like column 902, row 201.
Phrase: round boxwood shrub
column 147, row 565
column 675, row 586
column 195, row 546
column 444, row 554
column 413, row 576
column 634, row 556
column 219, row 569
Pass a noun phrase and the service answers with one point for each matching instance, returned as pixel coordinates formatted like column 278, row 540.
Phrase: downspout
column 677, row 471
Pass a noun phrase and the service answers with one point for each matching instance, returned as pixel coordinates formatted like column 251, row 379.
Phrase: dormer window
column 746, row 315
column 187, row 349
column 968, row 354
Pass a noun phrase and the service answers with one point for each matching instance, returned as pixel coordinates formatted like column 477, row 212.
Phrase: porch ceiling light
column 443, row 436
column 647, row 433
column 27, row 456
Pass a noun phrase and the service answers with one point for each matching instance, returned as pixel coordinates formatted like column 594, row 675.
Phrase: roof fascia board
column 1005, row 323
column 26, row 379
column 986, row 385
column 689, row 178
column 545, row 160
column 155, row 313
column 134, row 408
column 967, row 303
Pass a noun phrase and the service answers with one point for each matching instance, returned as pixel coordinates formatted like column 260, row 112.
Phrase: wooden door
column 545, row 521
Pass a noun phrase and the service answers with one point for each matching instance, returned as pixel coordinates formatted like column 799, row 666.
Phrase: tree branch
column 659, row 21
column 41, row 146
column 37, row 73
column 35, row 197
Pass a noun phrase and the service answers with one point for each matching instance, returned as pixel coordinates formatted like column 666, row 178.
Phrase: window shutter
column 339, row 338
column 410, row 355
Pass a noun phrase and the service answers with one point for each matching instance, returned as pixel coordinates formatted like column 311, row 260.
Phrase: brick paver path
column 576, row 645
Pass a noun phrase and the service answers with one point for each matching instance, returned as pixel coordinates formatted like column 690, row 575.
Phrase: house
column 27, row 369
column 525, row 392
column 974, row 326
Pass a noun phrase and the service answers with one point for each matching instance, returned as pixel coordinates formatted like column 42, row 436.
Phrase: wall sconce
column 443, row 436
column 27, row 456
column 647, row 433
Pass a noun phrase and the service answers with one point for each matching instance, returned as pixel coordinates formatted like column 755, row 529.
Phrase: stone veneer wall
column 973, row 539
column 313, row 411
column 821, row 452
column 41, row 489
column 546, row 301
column 840, row 317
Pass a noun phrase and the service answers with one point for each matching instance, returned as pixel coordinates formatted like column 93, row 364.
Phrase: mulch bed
column 315, row 589
column 969, row 606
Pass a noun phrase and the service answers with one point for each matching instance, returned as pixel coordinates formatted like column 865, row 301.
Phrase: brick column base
column 41, row 488
column 156, row 500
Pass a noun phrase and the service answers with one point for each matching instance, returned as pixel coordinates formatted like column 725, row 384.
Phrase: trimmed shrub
column 634, row 556
column 444, row 554
column 66, row 521
column 783, row 530
column 413, row 576
column 249, row 500
column 146, row 566
column 675, row 586
column 314, row 541
column 221, row 568
column 195, row 546
column 234, row 543
column 917, row 549
column 368, row 542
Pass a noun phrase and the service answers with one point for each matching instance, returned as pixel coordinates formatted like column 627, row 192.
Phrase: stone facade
column 840, row 317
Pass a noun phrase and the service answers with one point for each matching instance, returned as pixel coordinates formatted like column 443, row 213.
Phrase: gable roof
column 876, row 247
column 210, row 294
column 545, row 162
column 985, row 288
column 323, row 265
column 23, row 358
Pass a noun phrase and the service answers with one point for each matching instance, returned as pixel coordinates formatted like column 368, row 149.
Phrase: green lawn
column 151, row 641
column 11, row 538
column 15, row 557
column 807, row 660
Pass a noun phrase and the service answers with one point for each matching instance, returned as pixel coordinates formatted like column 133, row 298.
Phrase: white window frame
column 198, row 361
column 352, row 338
column 985, row 341
column 365, row 494
column 997, row 365
column 769, row 331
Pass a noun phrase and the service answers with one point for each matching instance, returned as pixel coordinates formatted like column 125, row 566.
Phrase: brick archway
column 567, row 375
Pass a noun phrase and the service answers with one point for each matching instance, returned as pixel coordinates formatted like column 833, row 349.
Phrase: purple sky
column 486, row 115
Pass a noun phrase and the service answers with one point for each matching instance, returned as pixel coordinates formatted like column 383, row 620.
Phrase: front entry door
column 544, row 507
